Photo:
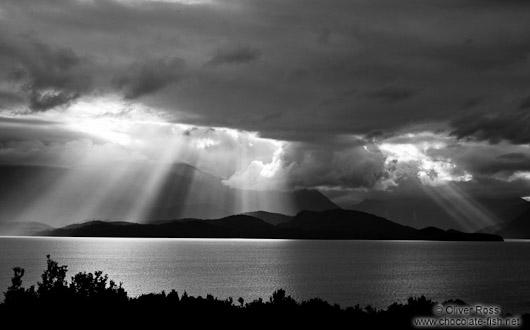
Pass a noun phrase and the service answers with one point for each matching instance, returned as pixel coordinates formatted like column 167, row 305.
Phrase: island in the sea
column 330, row 224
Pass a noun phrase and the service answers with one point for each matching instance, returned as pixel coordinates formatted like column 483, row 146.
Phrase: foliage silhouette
column 92, row 298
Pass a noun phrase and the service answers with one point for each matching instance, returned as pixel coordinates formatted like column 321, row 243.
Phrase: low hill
column 269, row 217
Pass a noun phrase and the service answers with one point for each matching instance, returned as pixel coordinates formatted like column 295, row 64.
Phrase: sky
column 359, row 99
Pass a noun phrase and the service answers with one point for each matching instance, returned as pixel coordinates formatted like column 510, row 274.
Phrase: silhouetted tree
column 53, row 285
column 279, row 298
column 95, row 297
column 16, row 294
column 94, row 288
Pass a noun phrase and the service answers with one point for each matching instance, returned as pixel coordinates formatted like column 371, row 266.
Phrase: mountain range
column 33, row 198
column 127, row 192
column 519, row 227
column 330, row 224
column 467, row 213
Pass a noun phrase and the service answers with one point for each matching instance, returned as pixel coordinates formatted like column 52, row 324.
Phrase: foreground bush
column 91, row 298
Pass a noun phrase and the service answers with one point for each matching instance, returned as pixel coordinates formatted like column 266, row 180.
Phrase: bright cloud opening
column 519, row 175
column 260, row 175
column 105, row 130
column 414, row 159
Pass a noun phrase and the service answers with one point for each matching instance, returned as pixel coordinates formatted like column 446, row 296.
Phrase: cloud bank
column 344, row 96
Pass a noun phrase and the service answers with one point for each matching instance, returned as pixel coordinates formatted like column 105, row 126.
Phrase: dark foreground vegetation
column 93, row 299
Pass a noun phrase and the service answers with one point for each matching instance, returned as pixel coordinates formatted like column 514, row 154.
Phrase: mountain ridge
column 518, row 228
column 331, row 224
column 423, row 211
column 130, row 192
column 270, row 217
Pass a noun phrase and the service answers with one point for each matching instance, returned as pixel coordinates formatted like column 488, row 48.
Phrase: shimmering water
column 344, row 272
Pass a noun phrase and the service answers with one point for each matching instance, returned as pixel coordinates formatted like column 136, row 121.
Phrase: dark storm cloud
column 47, row 76
column 502, row 165
column 481, row 55
column 331, row 165
column 509, row 163
column 515, row 156
column 503, row 4
column 324, row 35
column 482, row 159
column 302, row 54
column 234, row 54
column 9, row 99
column 301, row 71
column 42, row 101
column 525, row 103
column 510, row 125
column 391, row 94
column 473, row 102
column 150, row 76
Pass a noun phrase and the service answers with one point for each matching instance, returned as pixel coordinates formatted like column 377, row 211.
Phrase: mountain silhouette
column 519, row 227
column 331, row 224
column 237, row 226
column 133, row 192
column 23, row 228
column 243, row 225
column 348, row 224
column 269, row 217
column 423, row 211
column 351, row 224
